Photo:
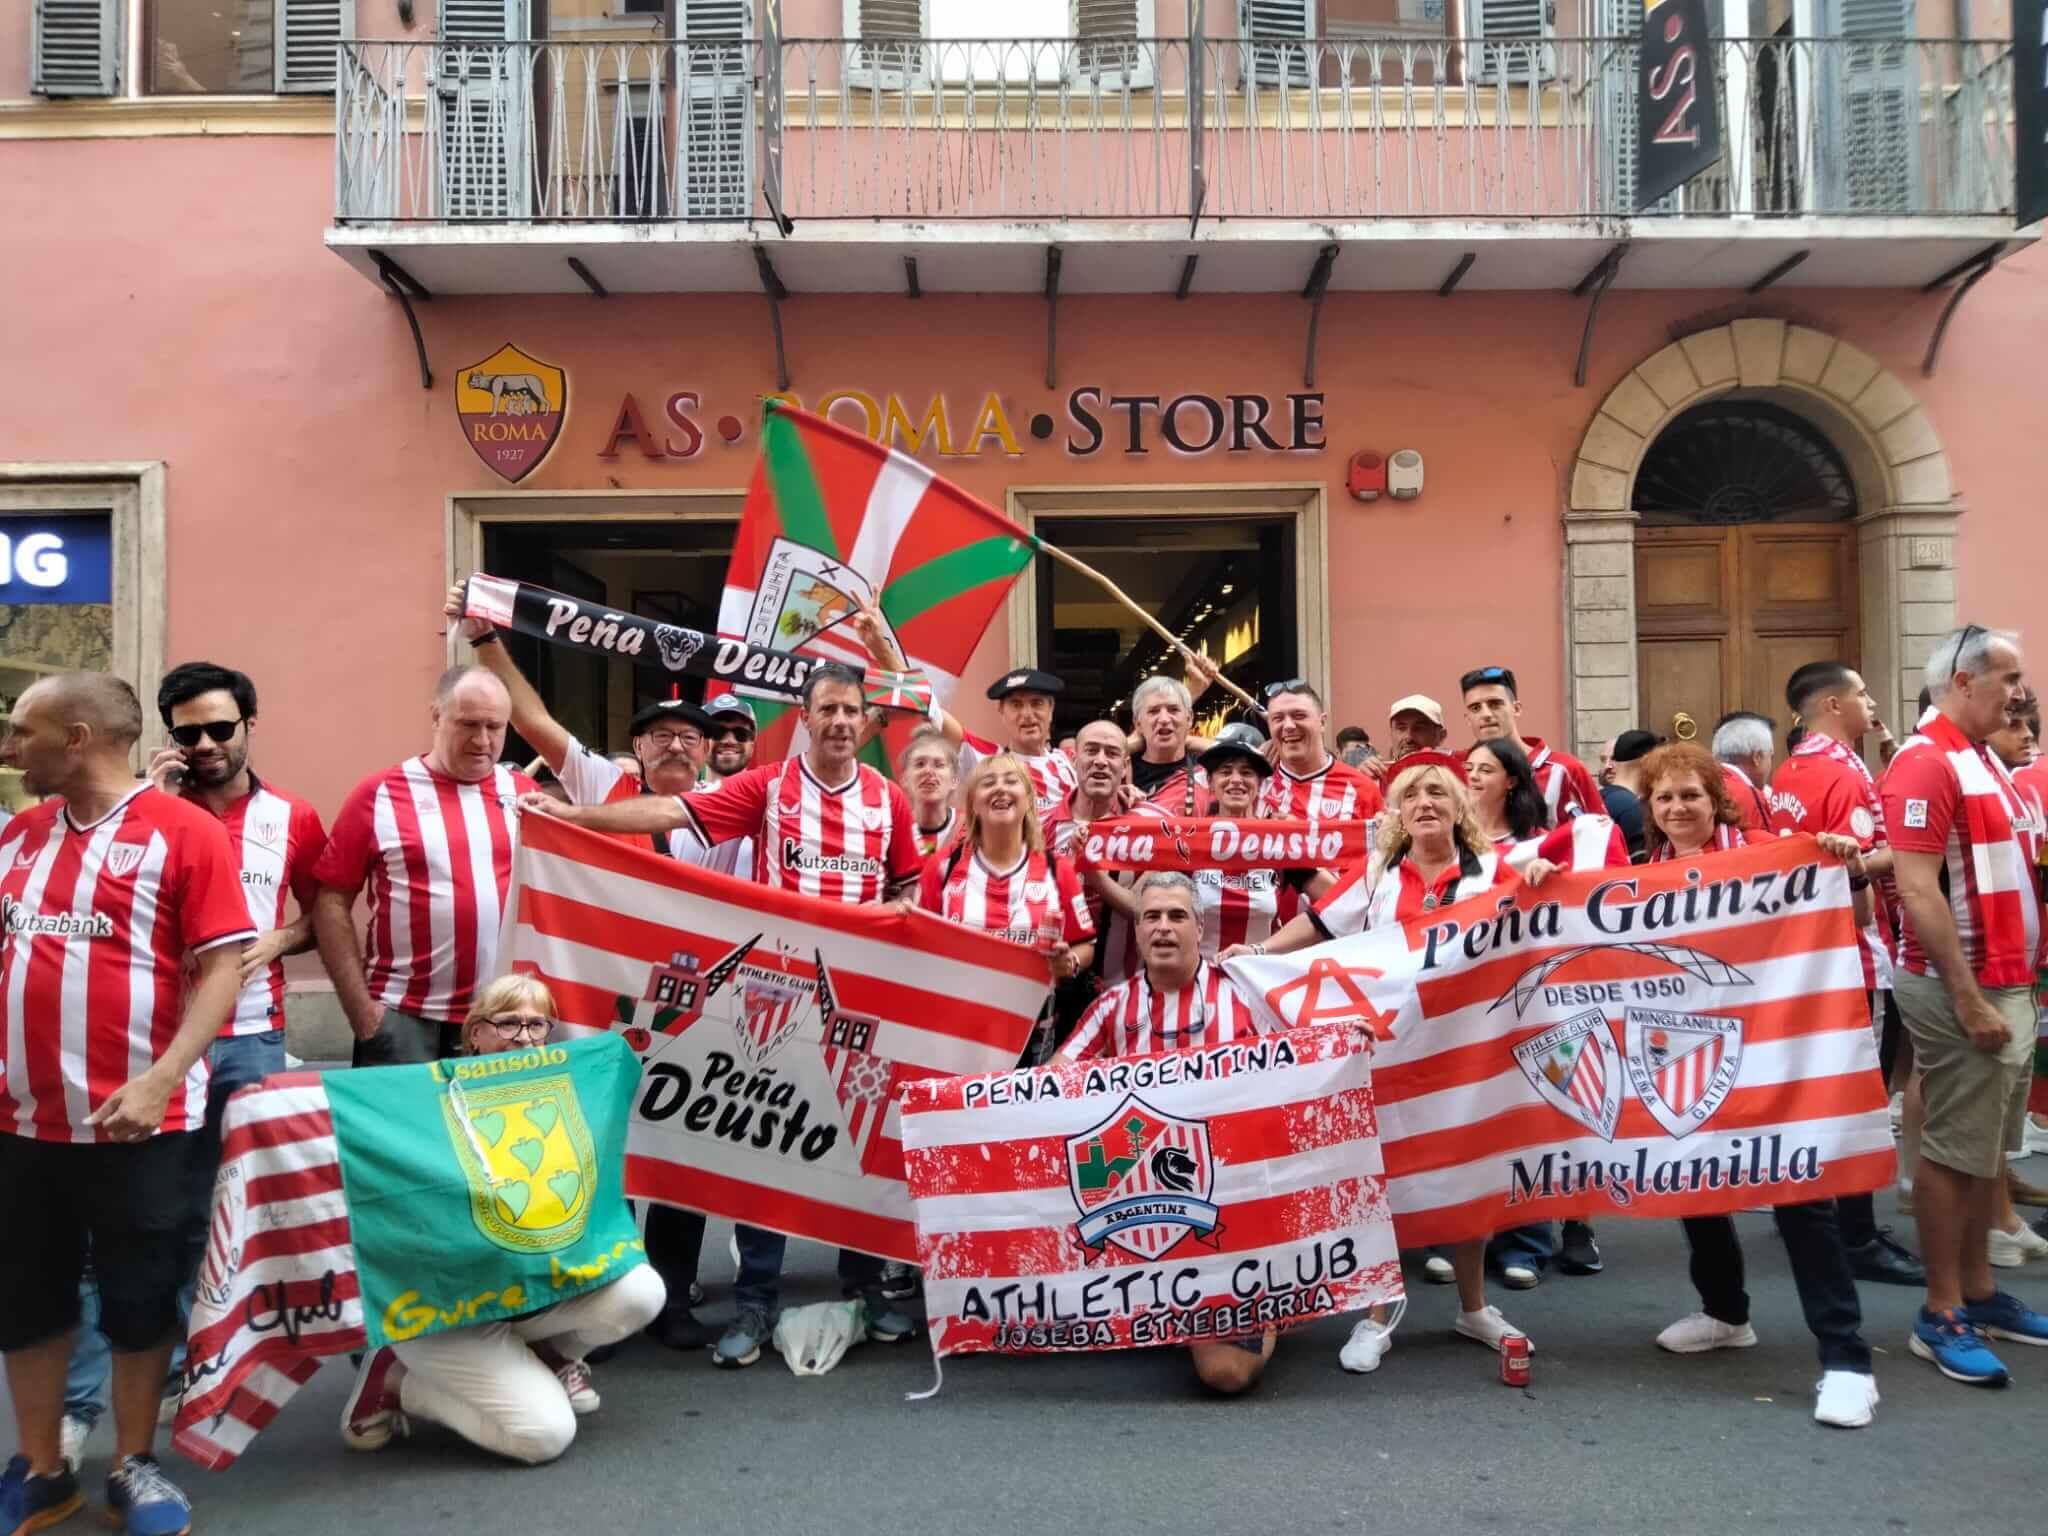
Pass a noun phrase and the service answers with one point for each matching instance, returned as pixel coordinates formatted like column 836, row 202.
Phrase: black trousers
column 1820, row 1268
column 1858, row 1212
column 675, row 1243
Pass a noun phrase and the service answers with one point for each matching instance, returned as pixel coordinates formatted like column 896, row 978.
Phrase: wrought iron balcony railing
column 1149, row 129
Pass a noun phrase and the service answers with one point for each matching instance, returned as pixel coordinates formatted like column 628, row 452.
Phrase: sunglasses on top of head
column 1288, row 685
column 219, row 731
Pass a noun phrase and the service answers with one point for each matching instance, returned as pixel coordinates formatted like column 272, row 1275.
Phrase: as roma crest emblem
column 1143, row 1181
column 511, row 406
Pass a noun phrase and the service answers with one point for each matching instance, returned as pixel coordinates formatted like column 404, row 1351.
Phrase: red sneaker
column 371, row 1416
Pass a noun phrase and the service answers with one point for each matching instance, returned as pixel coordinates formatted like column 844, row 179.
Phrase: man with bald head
column 432, row 841
column 110, row 891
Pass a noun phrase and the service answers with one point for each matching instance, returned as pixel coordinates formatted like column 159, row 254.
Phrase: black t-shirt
column 1148, row 776
column 1627, row 813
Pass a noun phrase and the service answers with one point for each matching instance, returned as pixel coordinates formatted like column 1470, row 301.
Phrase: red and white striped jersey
column 95, row 925
column 591, row 778
column 1823, row 786
column 1012, row 904
column 941, row 836
column 846, row 842
column 1334, row 792
column 1583, row 843
column 1748, row 798
column 1567, row 788
column 277, row 839
column 1132, row 1020
column 1052, row 773
column 436, row 856
column 1242, row 907
column 1366, row 896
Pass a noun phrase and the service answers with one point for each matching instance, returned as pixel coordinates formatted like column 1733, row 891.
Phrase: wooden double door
column 1726, row 613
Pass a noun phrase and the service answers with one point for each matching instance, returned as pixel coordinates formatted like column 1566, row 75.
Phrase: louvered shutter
column 716, row 160
column 483, row 101
column 1616, row 62
column 309, row 34
column 886, row 43
column 1104, row 33
column 1277, row 41
column 1875, row 86
column 1511, row 38
column 75, row 47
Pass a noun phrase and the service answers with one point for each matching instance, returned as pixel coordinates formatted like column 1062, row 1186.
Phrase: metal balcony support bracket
column 911, row 290
column 1978, row 267
column 1052, row 311
column 1779, row 271
column 1198, row 60
column 1604, row 276
column 1187, row 276
column 772, row 286
column 1457, row 274
column 1318, row 285
column 404, row 287
column 589, row 278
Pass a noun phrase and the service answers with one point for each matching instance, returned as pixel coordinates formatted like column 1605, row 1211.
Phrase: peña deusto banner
column 1233, row 844
column 1670, row 1039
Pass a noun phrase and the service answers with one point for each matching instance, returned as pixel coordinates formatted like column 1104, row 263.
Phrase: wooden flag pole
column 1201, row 663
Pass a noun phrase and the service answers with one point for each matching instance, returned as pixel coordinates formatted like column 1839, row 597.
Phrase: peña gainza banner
column 1678, row 131
column 671, row 649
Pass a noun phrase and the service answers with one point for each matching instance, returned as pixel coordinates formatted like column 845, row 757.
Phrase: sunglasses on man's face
column 221, row 731
column 738, row 733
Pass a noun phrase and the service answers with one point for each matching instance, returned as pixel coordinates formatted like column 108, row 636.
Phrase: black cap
column 1238, row 742
column 1630, row 745
column 1026, row 680
column 680, row 711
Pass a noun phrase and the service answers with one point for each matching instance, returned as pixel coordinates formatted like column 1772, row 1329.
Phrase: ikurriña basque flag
column 1672, row 1039
column 1179, row 1198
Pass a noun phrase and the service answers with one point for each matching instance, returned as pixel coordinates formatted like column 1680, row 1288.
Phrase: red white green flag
column 833, row 519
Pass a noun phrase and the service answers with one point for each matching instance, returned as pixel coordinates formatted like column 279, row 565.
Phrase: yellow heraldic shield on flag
column 526, row 1152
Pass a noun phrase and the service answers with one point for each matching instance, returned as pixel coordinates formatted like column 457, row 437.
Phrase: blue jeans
column 91, row 1368
column 1531, row 1245
column 759, row 1283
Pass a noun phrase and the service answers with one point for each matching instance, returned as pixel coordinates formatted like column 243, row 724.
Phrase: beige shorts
column 1976, row 1101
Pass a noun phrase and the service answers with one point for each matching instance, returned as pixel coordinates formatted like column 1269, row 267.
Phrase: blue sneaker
column 1956, row 1349
column 36, row 1503
column 141, row 1501
column 740, row 1345
column 2000, row 1316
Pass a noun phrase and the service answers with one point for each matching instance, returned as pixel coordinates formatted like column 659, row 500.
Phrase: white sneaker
column 1898, row 1113
column 1437, row 1270
column 1487, row 1326
column 2032, row 1243
column 1520, row 1277
column 1697, row 1333
column 71, row 1445
column 1367, row 1347
column 2007, row 1250
column 574, row 1376
column 1845, row 1399
column 2036, row 1138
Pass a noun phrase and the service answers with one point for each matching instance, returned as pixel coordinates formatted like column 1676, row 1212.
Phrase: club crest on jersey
column 1143, row 1181
column 1681, row 1065
column 124, row 859
column 526, row 1152
column 1573, row 1068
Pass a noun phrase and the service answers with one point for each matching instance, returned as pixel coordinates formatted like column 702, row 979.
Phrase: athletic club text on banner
column 1183, row 1198
column 1670, row 1039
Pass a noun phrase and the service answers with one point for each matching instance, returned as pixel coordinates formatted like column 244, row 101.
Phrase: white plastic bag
column 813, row 1338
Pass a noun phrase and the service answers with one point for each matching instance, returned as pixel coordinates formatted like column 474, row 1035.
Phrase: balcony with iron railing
column 664, row 163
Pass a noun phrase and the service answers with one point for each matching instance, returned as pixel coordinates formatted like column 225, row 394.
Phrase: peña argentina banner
column 778, row 1029
column 356, row 1209
column 1671, row 1039
column 1181, row 1198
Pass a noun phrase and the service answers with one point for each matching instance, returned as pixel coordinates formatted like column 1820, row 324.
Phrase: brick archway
column 1905, row 530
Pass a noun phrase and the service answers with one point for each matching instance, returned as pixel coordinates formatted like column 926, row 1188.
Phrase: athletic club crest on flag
column 1682, row 1064
column 1143, row 1181
column 1572, row 1066
column 804, row 596
column 778, row 997
column 675, row 996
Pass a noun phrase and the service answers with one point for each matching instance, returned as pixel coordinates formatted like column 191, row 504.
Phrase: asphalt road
column 1611, row 1436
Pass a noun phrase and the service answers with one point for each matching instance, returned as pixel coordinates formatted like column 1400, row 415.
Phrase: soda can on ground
column 1514, row 1360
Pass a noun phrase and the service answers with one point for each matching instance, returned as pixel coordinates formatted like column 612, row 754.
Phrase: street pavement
column 1612, row 1435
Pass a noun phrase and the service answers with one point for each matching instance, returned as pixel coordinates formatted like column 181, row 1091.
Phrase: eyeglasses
column 213, row 730
column 739, row 733
column 666, row 738
column 1955, row 659
column 1290, row 685
column 512, row 1025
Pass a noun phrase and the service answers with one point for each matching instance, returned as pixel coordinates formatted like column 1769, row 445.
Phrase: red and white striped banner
column 277, row 1289
column 1670, row 1039
column 1181, row 1198
column 776, row 1028
column 1220, row 842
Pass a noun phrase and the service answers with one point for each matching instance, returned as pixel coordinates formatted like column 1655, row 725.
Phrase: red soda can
column 1049, row 932
column 1514, row 1360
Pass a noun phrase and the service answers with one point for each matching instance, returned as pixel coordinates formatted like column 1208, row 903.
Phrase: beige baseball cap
column 1422, row 704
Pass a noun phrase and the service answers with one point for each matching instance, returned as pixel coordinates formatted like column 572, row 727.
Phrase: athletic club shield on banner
column 1678, row 131
column 511, row 406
